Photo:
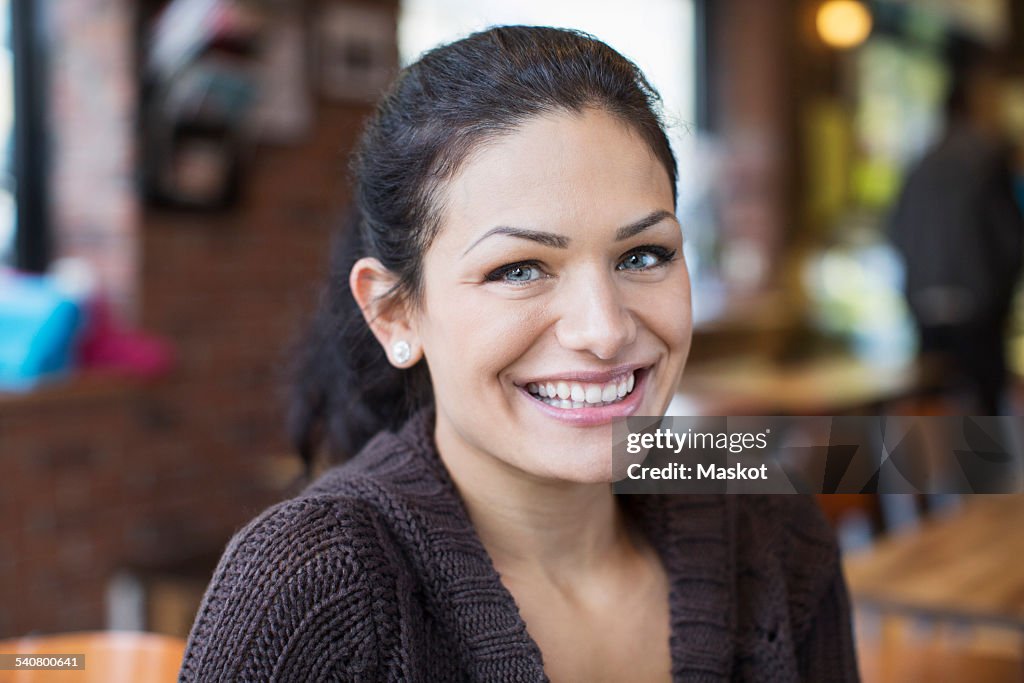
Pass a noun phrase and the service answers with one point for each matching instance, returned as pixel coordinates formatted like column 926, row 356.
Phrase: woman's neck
column 531, row 525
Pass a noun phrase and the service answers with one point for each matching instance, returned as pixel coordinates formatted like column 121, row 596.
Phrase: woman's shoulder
column 307, row 571
column 319, row 572
column 315, row 523
column 291, row 533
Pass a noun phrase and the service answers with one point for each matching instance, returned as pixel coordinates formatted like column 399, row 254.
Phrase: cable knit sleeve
column 827, row 653
column 292, row 598
column 819, row 604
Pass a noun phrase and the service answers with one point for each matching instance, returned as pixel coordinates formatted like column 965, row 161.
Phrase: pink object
column 104, row 344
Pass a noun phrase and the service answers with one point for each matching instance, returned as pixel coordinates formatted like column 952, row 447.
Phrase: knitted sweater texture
column 375, row 573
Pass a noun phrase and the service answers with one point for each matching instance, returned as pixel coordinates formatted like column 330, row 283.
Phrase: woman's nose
column 595, row 319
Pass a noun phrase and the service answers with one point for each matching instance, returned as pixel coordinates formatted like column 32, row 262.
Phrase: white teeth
column 564, row 394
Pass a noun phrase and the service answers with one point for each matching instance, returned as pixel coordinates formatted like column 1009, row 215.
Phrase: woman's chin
column 580, row 465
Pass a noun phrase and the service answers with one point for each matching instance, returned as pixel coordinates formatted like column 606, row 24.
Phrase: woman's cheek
column 485, row 334
column 509, row 330
column 669, row 316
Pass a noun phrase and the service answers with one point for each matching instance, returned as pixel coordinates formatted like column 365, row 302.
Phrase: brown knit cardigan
column 375, row 573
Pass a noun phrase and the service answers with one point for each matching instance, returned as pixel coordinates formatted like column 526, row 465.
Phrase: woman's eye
column 516, row 273
column 644, row 258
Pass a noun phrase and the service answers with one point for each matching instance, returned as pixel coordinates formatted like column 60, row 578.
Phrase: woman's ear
column 389, row 320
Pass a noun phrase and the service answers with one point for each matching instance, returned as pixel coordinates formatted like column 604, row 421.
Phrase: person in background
column 959, row 230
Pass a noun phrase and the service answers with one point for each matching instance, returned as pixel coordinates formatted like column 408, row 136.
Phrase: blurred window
column 899, row 114
column 658, row 35
column 23, row 229
column 7, row 187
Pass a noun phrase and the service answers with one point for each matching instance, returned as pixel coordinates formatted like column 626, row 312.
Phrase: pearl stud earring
column 402, row 352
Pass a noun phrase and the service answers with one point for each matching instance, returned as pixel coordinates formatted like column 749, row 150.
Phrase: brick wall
column 107, row 473
column 95, row 212
column 753, row 92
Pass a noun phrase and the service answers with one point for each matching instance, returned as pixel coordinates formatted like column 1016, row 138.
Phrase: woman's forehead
column 557, row 170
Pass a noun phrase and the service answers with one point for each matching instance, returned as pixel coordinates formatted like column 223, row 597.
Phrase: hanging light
column 843, row 23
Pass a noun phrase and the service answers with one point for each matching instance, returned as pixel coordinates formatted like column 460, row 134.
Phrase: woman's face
column 555, row 295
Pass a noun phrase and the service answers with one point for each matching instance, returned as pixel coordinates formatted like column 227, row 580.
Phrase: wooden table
column 832, row 385
column 965, row 567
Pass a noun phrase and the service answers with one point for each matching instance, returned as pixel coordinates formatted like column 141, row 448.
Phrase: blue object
column 38, row 328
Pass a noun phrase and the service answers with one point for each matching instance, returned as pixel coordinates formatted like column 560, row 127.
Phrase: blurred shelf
column 89, row 385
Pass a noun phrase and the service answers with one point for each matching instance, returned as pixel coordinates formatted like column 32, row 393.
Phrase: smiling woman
column 512, row 282
column 577, row 294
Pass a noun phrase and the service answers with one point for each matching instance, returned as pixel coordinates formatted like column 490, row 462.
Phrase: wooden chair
column 110, row 657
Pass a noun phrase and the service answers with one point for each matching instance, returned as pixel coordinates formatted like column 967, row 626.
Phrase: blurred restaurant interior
column 174, row 173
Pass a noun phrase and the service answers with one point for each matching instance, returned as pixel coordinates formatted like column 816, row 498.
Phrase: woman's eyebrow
column 655, row 217
column 556, row 241
column 548, row 239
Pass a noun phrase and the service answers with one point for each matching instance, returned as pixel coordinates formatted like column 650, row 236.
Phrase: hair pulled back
column 437, row 111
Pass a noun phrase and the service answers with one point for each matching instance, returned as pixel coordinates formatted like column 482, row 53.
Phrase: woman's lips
column 588, row 416
column 588, row 376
